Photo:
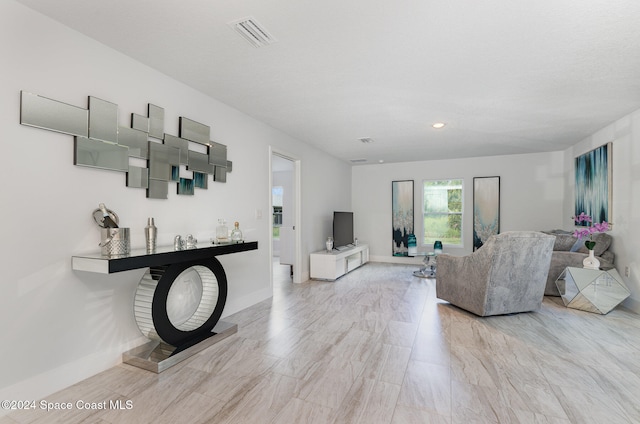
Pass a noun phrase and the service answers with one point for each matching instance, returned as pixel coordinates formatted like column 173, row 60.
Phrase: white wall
column 625, row 136
column 59, row 326
column 531, row 196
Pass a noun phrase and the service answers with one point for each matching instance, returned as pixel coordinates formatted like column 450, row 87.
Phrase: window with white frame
column 442, row 212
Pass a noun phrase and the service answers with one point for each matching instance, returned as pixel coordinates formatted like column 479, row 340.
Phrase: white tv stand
column 333, row 265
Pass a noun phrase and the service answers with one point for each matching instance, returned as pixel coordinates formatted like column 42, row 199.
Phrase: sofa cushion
column 564, row 242
column 579, row 244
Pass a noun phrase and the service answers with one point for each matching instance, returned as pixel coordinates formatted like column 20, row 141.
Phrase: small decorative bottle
column 151, row 232
column 236, row 234
column 437, row 247
column 222, row 231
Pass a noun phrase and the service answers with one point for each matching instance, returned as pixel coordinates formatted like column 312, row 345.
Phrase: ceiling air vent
column 253, row 32
column 358, row 160
column 366, row 140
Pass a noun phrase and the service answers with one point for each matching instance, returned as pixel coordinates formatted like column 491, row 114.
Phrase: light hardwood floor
column 377, row 346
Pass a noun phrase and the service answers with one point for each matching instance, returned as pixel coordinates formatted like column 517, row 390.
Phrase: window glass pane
column 442, row 212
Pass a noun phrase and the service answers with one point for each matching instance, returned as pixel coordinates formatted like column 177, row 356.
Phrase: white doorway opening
column 284, row 206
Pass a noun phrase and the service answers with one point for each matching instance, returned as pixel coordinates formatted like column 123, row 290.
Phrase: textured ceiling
column 507, row 77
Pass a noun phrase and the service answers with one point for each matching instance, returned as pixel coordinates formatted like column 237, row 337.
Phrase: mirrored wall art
column 100, row 154
column 194, row 131
column 200, row 180
column 103, row 120
column 41, row 112
column 138, row 177
column 185, row 186
column 181, row 144
column 100, row 142
column 139, row 122
column 199, row 162
column 156, row 121
column 218, row 154
column 136, row 140
column 158, row 189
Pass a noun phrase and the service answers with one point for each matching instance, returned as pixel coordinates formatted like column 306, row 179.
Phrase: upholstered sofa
column 570, row 251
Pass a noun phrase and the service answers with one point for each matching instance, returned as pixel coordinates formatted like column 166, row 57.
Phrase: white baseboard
column 40, row 386
column 231, row 307
column 416, row 260
column 632, row 305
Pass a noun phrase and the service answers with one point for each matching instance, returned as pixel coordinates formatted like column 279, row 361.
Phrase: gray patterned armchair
column 506, row 275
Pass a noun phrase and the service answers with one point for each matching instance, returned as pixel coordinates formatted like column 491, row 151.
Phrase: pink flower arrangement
column 590, row 230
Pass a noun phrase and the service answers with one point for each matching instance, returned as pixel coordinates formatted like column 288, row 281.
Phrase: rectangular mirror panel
column 138, row 177
column 199, row 162
column 161, row 158
column 194, row 131
column 218, row 154
column 48, row 114
column 220, row 174
column 100, row 154
column 139, row 122
column 158, row 189
column 137, row 141
column 103, row 120
column 179, row 143
column 156, row 121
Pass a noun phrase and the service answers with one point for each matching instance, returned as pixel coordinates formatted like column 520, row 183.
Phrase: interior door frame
column 297, row 274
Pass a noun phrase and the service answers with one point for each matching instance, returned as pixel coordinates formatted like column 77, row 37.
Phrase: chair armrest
column 463, row 280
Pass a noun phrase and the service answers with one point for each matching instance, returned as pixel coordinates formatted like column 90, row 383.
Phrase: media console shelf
column 333, row 265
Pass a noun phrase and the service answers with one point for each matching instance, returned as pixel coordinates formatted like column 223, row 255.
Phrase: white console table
column 333, row 265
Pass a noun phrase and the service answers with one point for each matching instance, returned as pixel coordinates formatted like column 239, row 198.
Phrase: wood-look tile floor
column 377, row 346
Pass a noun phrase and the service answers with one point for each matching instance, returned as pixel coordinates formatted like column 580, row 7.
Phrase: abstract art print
column 593, row 183
column 402, row 215
column 486, row 209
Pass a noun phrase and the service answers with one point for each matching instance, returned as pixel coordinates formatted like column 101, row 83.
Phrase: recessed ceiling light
column 438, row 125
column 381, row 161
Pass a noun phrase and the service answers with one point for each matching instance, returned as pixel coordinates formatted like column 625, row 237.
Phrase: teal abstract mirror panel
column 41, row 112
column 100, row 142
column 200, row 180
column 185, row 186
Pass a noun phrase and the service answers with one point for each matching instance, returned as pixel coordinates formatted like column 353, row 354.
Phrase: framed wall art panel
column 402, row 215
column 486, row 209
column 594, row 183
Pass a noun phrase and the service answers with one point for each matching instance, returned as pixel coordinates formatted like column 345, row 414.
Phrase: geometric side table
column 591, row 290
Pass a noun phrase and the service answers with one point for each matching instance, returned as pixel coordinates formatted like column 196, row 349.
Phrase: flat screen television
column 342, row 229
